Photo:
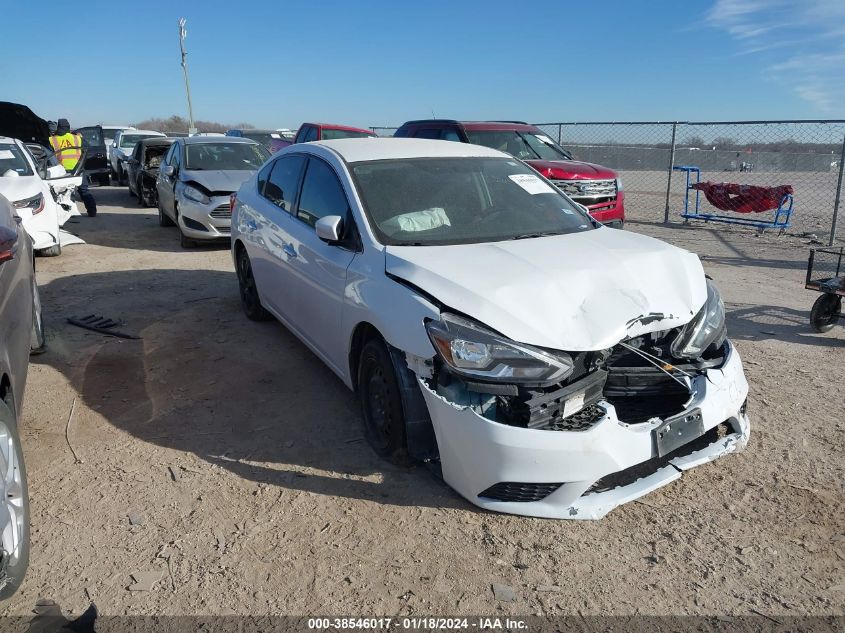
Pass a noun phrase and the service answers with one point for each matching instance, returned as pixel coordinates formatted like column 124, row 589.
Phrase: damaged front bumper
column 583, row 474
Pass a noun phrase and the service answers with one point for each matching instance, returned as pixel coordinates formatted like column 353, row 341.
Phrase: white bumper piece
column 477, row 453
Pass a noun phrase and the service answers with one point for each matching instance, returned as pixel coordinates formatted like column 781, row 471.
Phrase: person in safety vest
column 68, row 149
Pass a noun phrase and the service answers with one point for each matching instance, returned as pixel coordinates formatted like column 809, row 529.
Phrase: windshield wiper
column 528, row 236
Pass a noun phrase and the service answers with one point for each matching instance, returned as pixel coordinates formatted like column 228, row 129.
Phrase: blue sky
column 275, row 63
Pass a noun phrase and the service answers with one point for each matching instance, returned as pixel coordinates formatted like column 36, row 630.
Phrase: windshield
column 436, row 201
column 225, row 156
column 330, row 134
column 91, row 136
column 523, row 145
column 128, row 141
column 11, row 157
column 260, row 137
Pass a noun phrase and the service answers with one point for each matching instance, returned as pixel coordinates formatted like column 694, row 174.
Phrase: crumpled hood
column 571, row 170
column 217, row 180
column 576, row 292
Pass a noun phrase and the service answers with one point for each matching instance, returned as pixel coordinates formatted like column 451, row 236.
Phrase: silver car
column 196, row 179
column 22, row 333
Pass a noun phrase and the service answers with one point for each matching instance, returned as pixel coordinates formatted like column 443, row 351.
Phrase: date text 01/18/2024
column 417, row 623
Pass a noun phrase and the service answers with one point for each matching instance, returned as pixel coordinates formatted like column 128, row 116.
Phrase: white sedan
column 39, row 192
column 549, row 365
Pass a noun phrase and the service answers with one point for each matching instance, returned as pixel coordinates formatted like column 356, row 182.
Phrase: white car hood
column 576, row 292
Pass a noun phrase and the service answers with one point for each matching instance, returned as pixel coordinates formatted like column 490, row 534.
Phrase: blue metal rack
column 782, row 215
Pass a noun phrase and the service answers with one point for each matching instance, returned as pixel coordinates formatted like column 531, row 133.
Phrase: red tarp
column 729, row 196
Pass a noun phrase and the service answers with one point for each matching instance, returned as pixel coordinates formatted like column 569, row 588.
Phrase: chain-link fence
column 804, row 155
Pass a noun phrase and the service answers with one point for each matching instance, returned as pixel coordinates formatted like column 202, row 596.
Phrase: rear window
column 91, row 136
column 330, row 135
column 260, row 137
column 12, row 159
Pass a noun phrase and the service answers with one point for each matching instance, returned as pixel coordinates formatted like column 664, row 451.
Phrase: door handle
column 289, row 250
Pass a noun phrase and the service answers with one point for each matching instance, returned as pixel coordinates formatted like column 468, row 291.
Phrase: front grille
column 588, row 192
column 581, row 421
column 223, row 211
column 519, row 492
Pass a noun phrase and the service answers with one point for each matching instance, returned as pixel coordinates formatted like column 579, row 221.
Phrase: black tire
column 17, row 497
column 825, row 312
column 250, row 299
column 163, row 218
column 381, row 403
column 185, row 241
column 38, row 341
column 53, row 251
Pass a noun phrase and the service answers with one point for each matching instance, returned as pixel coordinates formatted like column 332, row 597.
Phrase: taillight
column 233, row 198
column 8, row 243
column 35, row 204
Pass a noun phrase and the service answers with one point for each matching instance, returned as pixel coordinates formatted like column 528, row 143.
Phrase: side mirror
column 56, row 171
column 329, row 228
column 169, row 171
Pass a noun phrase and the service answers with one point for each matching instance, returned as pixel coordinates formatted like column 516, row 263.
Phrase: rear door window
column 428, row 132
column 283, row 182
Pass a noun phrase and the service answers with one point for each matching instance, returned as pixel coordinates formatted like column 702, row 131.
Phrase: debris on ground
column 503, row 593
column 144, row 580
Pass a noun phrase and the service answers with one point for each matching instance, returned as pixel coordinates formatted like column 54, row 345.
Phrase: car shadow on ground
column 248, row 397
column 751, row 322
column 122, row 222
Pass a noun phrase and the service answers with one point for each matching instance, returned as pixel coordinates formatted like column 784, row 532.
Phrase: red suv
column 597, row 188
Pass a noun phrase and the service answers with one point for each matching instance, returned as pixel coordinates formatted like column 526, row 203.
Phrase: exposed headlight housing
column 471, row 350
column 706, row 328
column 619, row 184
column 35, row 204
column 192, row 193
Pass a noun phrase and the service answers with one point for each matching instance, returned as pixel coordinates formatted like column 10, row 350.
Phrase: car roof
column 335, row 126
column 157, row 140
column 478, row 126
column 193, row 140
column 7, row 140
column 147, row 132
column 354, row 150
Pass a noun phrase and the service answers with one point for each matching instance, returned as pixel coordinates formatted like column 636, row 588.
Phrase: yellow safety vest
column 68, row 148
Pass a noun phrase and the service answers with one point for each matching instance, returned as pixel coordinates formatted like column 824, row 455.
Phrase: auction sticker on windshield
column 531, row 184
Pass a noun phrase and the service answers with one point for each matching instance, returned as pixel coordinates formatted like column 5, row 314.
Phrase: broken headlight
column 192, row 193
column 471, row 350
column 706, row 328
column 35, row 204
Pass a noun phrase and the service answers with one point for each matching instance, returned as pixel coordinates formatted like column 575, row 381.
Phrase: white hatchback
column 548, row 365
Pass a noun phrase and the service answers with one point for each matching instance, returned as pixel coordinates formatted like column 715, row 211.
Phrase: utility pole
column 182, row 34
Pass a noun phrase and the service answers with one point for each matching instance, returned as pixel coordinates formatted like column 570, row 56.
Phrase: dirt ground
column 221, row 455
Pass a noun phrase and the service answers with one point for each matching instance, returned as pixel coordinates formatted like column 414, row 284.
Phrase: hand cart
column 825, row 274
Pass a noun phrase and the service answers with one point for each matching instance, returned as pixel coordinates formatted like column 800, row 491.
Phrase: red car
column 597, row 188
column 320, row 132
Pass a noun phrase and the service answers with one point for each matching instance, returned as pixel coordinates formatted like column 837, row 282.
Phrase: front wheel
column 381, row 403
column 37, row 341
column 14, row 506
column 825, row 312
column 51, row 251
column 250, row 300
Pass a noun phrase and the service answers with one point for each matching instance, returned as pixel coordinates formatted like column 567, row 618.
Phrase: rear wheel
column 381, row 403
column 250, row 300
column 825, row 312
column 14, row 506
